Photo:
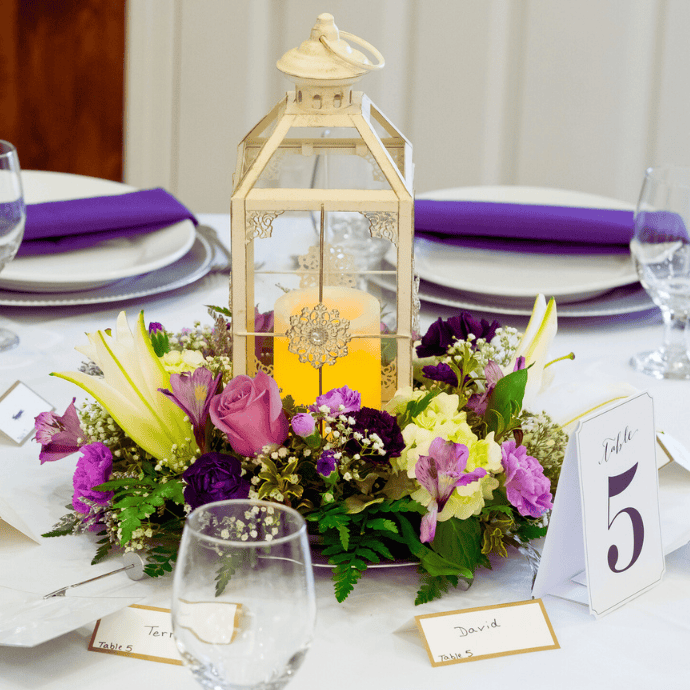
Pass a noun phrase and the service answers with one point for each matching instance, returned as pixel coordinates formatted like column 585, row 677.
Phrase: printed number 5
column 617, row 485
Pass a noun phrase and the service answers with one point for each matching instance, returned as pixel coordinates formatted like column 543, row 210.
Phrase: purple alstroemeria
column 192, row 393
column 439, row 473
column 59, row 436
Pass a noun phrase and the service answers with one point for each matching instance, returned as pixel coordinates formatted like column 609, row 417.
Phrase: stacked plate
column 507, row 282
column 110, row 270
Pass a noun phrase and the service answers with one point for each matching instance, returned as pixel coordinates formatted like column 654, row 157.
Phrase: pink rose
column 250, row 413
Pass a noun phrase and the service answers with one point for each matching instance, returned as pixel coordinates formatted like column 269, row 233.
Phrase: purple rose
column 369, row 421
column 526, row 486
column 59, row 436
column 441, row 372
column 214, row 477
column 93, row 468
column 326, row 463
column 303, row 424
column 250, row 413
column 442, row 334
column 339, row 401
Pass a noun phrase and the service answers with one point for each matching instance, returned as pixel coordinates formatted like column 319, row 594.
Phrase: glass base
column 8, row 340
column 662, row 365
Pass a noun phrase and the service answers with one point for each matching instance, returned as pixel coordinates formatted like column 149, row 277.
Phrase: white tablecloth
column 644, row 643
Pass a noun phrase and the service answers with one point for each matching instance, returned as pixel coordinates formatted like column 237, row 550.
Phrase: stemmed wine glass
column 661, row 250
column 243, row 605
column 12, row 218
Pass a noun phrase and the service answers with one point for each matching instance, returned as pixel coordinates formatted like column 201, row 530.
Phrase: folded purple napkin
column 78, row 223
column 524, row 227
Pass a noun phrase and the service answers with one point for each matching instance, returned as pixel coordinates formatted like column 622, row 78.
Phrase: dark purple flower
column 59, row 436
column 326, row 463
column 369, row 421
column 93, row 468
column 442, row 334
column 441, row 372
column 214, row 477
column 192, row 393
column 339, row 401
column 155, row 327
column 263, row 323
column 526, row 486
column 303, row 424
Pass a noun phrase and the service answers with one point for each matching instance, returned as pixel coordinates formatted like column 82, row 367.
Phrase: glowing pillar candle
column 360, row 369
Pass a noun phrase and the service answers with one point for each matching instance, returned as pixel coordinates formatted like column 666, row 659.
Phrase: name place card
column 142, row 632
column 19, row 407
column 485, row 632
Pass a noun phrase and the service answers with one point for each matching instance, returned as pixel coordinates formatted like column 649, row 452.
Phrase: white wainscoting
column 577, row 94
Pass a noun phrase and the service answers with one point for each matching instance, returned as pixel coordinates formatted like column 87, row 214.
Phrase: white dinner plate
column 187, row 270
column 520, row 275
column 103, row 263
column 627, row 299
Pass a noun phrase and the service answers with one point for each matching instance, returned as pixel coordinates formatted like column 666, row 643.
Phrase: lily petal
column 132, row 375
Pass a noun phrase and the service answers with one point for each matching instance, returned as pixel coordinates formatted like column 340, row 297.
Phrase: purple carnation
column 93, row 468
column 442, row 334
column 214, row 477
column 348, row 400
column 526, row 486
column 441, row 372
column 326, row 463
column 369, row 421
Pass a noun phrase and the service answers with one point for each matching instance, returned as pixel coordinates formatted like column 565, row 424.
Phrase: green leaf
column 506, row 399
column 460, row 542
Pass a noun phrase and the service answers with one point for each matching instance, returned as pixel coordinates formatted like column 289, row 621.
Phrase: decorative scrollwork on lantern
column 318, row 336
column 260, row 224
column 338, row 267
column 416, row 304
column 383, row 225
column 389, row 380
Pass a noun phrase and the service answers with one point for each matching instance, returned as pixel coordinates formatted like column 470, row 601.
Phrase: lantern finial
column 325, row 66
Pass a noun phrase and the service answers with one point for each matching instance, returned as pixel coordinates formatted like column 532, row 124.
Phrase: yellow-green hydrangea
column 176, row 362
column 443, row 418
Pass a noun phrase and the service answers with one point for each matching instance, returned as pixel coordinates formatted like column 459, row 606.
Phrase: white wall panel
column 578, row 94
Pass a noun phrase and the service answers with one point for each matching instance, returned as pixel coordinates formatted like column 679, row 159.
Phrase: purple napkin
column 57, row 226
column 524, row 227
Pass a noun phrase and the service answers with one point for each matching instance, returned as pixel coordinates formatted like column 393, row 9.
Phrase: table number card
column 606, row 515
column 142, row 632
column 19, row 407
column 455, row 637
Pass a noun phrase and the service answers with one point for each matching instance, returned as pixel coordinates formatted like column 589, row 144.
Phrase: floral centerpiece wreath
column 455, row 468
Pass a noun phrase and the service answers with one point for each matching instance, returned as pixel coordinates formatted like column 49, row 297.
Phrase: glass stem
column 675, row 333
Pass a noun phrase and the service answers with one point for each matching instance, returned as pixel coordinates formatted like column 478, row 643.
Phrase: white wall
column 577, row 94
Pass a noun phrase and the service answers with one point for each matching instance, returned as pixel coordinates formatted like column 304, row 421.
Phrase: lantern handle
column 361, row 42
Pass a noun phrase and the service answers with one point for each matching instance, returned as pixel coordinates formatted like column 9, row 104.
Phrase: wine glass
column 243, row 605
column 660, row 247
column 12, row 219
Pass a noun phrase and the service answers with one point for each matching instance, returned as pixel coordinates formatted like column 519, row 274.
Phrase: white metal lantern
column 322, row 210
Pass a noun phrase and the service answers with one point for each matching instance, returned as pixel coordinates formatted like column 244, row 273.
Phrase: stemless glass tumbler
column 660, row 247
column 12, row 219
column 243, row 603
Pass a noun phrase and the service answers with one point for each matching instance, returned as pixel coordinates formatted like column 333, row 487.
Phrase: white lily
column 534, row 346
column 132, row 375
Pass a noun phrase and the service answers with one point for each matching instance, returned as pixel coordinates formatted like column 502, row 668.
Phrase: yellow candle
column 360, row 369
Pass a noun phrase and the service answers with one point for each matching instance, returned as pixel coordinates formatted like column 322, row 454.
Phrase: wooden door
column 62, row 84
